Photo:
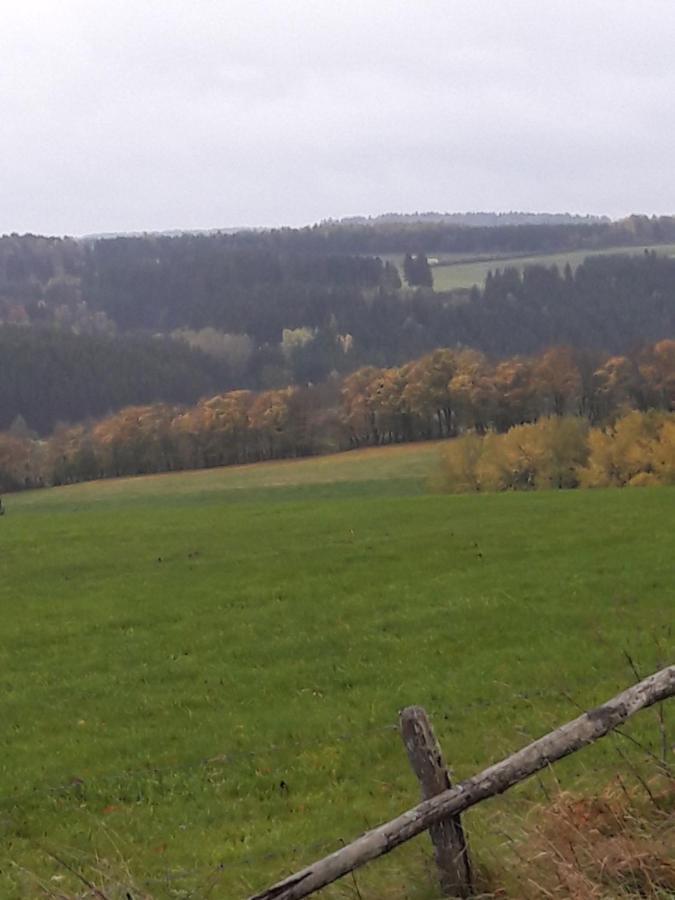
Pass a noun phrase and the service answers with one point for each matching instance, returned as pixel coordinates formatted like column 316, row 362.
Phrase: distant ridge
column 476, row 219
column 169, row 232
column 466, row 219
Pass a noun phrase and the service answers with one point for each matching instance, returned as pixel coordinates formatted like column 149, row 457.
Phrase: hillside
column 298, row 322
column 202, row 670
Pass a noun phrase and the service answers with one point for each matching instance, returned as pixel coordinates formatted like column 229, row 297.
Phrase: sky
column 135, row 115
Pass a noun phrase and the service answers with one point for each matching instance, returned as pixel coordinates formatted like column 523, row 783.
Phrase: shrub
column 563, row 452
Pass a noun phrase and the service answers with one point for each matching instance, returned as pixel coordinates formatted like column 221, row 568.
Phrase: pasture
column 453, row 272
column 201, row 671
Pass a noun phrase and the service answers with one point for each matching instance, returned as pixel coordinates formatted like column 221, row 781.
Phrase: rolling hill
column 202, row 671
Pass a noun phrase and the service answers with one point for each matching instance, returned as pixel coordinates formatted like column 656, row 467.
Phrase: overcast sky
column 158, row 114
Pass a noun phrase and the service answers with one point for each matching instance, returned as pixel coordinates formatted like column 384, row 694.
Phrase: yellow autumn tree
column 638, row 450
column 472, row 389
column 269, row 418
column 358, row 413
column 657, row 367
column 427, row 392
column 558, row 382
column 617, row 386
column 543, row 455
column 216, row 431
column 664, row 458
column 459, row 464
column 20, row 460
column 515, row 396
column 385, row 393
column 133, row 441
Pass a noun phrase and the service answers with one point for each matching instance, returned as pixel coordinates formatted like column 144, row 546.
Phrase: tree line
column 446, row 393
column 474, row 219
column 415, row 236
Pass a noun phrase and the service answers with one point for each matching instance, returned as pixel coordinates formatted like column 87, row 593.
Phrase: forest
column 446, row 393
column 258, row 282
column 52, row 375
column 89, row 328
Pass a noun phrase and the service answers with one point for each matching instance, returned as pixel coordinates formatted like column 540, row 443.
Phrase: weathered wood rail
column 452, row 801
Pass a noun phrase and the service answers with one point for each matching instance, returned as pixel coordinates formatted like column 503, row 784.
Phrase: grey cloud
column 168, row 114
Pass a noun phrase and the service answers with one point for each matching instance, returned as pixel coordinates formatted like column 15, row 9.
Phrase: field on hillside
column 201, row 672
column 454, row 272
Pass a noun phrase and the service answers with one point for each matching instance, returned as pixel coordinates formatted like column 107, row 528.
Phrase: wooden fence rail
column 451, row 802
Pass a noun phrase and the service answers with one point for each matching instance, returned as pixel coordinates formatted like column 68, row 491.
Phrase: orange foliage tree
column 443, row 394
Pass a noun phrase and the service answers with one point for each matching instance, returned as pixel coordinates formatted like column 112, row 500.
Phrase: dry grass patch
column 619, row 843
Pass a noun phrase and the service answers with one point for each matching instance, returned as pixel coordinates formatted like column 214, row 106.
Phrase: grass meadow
column 201, row 672
column 452, row 272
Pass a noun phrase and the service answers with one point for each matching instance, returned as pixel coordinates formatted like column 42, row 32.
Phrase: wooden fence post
column 426, row 758
column 497, row 778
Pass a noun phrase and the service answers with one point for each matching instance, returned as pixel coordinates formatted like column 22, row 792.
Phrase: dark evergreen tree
column 417, row 270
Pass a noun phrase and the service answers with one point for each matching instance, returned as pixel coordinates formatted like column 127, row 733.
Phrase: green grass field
column 200, row 671
column 465, row 274
column 460, row 271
